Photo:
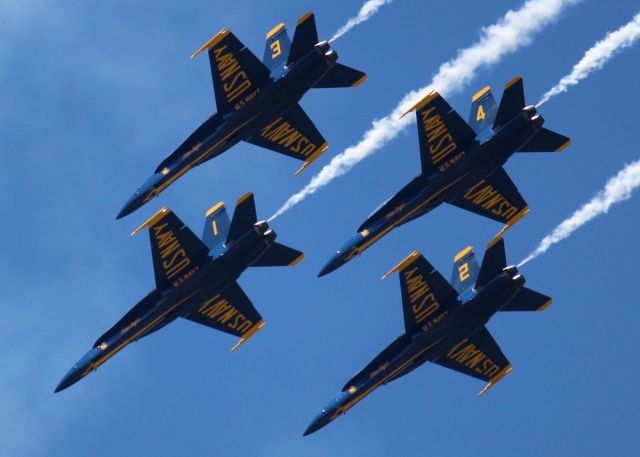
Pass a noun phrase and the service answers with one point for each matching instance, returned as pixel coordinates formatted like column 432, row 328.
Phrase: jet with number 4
column 195, row 279
column 444, row 324
column 257, row 102
column 462, row 164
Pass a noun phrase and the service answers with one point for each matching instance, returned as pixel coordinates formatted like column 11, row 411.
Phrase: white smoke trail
column 369, row 8
column 595, row 58
column 513, row 30
column 619, row 188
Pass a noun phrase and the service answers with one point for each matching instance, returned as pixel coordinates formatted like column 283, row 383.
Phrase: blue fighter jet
column 195, row 279
column 444, row 324
column 462, row 164
column 257, row 102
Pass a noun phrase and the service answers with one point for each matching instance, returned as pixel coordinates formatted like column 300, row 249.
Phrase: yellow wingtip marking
column 493, row 381
column 403, row 264
column 427, row 98
column 522, row 213
column 153, row 219
column 462, row 253
column 312, row 158
column 275, row 30
column 244, row 197
column 564, row 146
column 546, row 305
column 512, row 82
column 304, row 17
column 248, row 335
column 360, row 81
column 212, row 42
column 296, row 260
column 480, row 93
column 213, row 209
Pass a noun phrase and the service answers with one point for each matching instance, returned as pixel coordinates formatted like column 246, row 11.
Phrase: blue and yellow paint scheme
column 462, row 164
column 195, row 279
column 257, row 102
column 445, row 323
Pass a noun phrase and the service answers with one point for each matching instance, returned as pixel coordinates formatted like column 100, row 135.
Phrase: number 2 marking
column 275, row 47
column 463, row 270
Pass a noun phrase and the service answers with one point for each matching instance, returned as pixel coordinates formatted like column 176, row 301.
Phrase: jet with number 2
column 444, row 324
column 195, row 279
column 257, row 102
column 462, row 164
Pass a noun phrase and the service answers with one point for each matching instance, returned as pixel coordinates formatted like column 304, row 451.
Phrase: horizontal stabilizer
column 279, row 255
column 442, row 134
column 230, row 311
column 465, row 270
column 236, row 72
column 244, row 217
column 528, row 300
column 512, row 102
column 478, row 356
column 483, row 110
column 495, row 197
column 216, row 226
column 292, row 134
column 546, row 141
column 304, row 38
column 341, row 76
column 494, row 261
column 175, row 249
column 427, row 298
column 277, row 47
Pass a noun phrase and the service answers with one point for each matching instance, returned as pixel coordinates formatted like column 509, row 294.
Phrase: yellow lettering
column 463, row 271
column 480, row 115
column 275, row 47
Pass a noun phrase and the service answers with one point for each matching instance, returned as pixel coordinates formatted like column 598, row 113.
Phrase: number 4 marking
column 480, row 115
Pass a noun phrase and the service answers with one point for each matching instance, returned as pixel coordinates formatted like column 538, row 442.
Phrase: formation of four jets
column 462, row 162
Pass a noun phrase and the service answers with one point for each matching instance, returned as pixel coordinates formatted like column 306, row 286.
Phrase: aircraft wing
column 442, row 134
column 495, row 197
column 176, row 251
column 478, row 356
column 237, row 73
column 230, row 311
column 292, row 134
column 427, row 297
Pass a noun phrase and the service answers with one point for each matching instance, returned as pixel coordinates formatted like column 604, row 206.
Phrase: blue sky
column 96, row 94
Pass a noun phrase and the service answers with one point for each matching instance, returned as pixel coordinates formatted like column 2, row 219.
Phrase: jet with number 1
column 195, row 279
column 462, row 164
column 444, row 324
column 257, row 102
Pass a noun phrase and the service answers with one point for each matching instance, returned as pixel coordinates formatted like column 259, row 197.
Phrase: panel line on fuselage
column 354, row 401
column 94, row 365
column 399, row 221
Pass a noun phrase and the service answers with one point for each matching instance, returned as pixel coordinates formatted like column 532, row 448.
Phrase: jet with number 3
column 195, row 279
column 462, row 164
column 257, row 102
column 444, row 324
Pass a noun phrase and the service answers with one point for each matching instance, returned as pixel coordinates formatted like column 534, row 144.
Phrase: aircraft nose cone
column 68, row 380
column 132, row 204
column 320, row 421
column 333, row 264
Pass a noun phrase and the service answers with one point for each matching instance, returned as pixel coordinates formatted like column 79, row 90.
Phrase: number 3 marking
column 275, row 47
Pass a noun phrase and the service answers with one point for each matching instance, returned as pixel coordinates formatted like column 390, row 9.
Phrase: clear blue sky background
column 96, row 94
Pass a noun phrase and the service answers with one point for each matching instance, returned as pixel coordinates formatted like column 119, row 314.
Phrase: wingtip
column 297, row 260
column 212, row 42
column 162, row 212
column 403, row 264
column 359, row 81
column 248, row 334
